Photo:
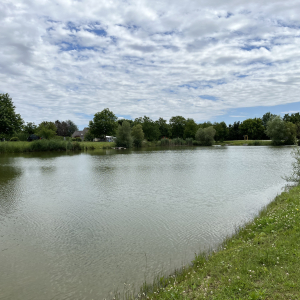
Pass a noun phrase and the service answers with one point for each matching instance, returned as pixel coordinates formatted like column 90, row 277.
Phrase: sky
column 207, row 60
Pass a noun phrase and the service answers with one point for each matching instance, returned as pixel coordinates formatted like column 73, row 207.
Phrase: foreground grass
column 261, row 261
column 51, row 145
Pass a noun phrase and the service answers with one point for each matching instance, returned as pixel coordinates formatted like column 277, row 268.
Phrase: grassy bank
column 51, row 145
column 249, row 143
column 261, row 261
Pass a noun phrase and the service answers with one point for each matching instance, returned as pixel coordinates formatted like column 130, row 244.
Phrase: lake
column 81, row 226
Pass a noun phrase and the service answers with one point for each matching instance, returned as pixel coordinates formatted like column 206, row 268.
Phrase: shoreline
column 260, row 261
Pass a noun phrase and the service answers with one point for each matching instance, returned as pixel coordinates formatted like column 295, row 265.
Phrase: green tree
column 295, row 119
column 29, row 128
column 177, row 125
column 88, row 136
column 190, row 129
column 205, row 124
column 205, row 136
column 221, row 131
column 46, row 130
column 137, row 134
column 72, row 127
column 104, row 123
column 291, row 133
column 234, row 132
column 10, row 122
column 253, row 128
column 164, row 128
column 124, row 138
column 266, row 118
column 150, row 128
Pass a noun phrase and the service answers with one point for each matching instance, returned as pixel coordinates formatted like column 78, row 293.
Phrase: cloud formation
column 70, row 59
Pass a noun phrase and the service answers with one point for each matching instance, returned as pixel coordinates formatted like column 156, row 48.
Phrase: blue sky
column 218, row 61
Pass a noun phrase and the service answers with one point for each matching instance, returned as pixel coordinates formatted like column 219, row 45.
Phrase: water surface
column 80, row 226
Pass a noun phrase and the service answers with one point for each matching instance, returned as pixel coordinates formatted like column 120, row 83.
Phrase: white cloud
column 71, row 59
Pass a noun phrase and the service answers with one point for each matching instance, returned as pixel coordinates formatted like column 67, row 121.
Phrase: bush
column 189, row 141
column 205, row 136
column 14, row 139
column 165, row 142
column 178, row 142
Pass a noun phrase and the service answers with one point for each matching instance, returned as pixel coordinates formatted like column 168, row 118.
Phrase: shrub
column 189, row 141
column 165, row 142
column 205, row 136
column 14, row 139
column 178, row 142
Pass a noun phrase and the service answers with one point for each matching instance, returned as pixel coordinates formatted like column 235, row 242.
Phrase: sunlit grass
column 261, row 261
column 51, row 145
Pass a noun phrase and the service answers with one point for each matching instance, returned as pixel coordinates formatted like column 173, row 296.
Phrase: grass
column 51, row 145
column 243, row 142
column 261, row 261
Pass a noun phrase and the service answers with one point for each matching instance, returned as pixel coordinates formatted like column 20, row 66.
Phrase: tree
column 221, row 131
column 279, row 130
column 62, row 128
column 190, row 129
column 72, row 127
column 253, row 128
column 266, row 118
column 205, row 124
column 88, row 136
column 124, row 138
column 104, row 123
column 150, row 128
column 46, row 130
column 205, row 136
column 137, row 134
column 234, row 132
column 177, row 125
column 164, row 128
column 29, row 128
column 295, row 119
column 10, row 122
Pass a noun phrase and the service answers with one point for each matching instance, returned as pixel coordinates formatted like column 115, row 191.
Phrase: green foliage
column 14, row 139
column 29, row 128
column 189, row 141
column 78, row 139
column 138, row 135
column 190, row 129
column 88, row 136
column 221, row 131
column 46, row 130
column 150, row 128
column 124, row 138
column 205, row 125
column 104, row 123
column 72, row 127
column 164, row 128
column 22, row 136
column 278, row 130
column 205, row 136
column 9, row 121
column 295, row 176
column 253, row 128
column 266, row 118
column 177, row 125
column 234, row 132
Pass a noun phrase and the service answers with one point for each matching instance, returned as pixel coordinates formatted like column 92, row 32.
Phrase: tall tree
column 221, row 131
column 205, row 136
column 62, row 128
column 266, row 118
column 164, row 128
column 137, row 134
column 150, row 128
column 72, row 127
column 234, row 132
column 124, row 138
column 190, row 129
column 29, row 128
column 177, row 125
column 10, row 122
column 253, row 128
column 104, row 123
column 46, row 129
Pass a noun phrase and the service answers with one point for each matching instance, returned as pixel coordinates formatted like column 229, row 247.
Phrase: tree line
column 104, row 123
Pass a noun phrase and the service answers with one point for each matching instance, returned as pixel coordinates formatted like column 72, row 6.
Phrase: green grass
column 261, row 261
column 243, row 142
column 51, row 145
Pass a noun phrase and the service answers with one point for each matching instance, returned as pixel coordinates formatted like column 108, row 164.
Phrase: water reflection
column 80, row 225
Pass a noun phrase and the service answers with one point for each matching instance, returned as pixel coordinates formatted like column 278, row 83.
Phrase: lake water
column 81, row 226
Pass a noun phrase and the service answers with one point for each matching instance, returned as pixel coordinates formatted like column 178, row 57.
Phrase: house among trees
column 80, row 133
